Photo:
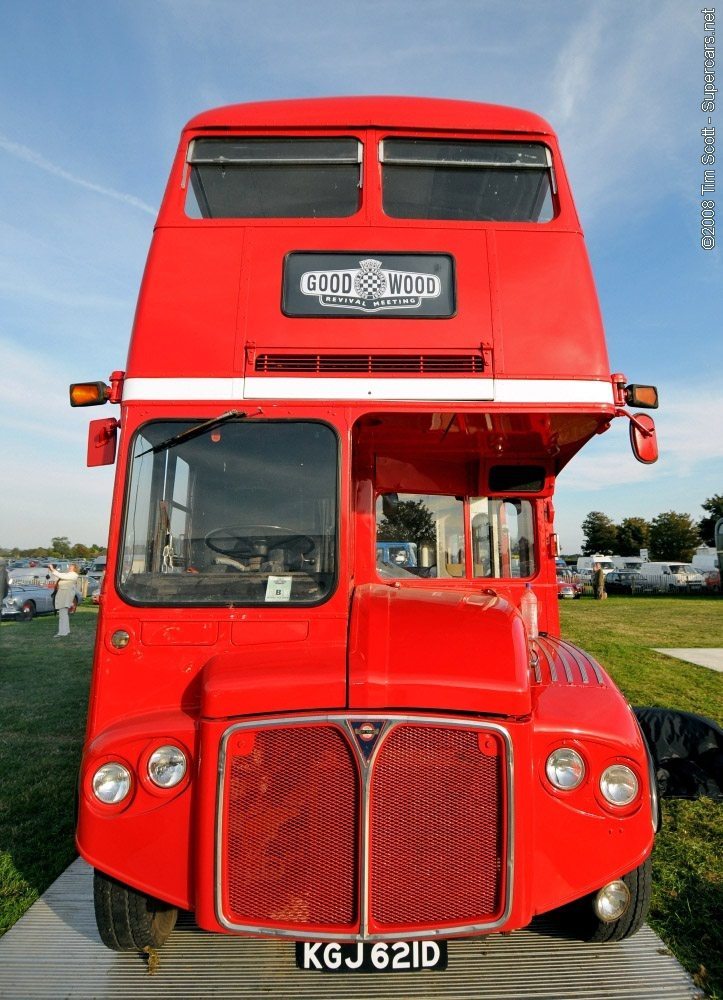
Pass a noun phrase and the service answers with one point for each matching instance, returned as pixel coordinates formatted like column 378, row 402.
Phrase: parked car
column 673, row 576
column 568, row 588
column 95, row 573
column 627, row 581
column 26, row 600
column 586, row 564
column 35, row 575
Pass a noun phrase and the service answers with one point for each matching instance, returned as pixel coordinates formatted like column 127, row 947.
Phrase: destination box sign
column 368, row 285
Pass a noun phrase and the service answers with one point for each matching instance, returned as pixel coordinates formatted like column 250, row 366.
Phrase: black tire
column 580, row 921
column 129, row 920
column 27, row 611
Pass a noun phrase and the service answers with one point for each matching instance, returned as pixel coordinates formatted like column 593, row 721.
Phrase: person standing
column 598, row 582
column 64, row 597
column 4, row 581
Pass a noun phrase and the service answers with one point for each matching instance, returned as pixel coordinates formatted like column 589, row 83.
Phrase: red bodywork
column 282, row 825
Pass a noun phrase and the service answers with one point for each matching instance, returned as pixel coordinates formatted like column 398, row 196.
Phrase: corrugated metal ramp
column 54, row 951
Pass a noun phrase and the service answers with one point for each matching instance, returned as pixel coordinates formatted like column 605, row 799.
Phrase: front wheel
column 580, row 919
column 129, row 920
column 27, row 611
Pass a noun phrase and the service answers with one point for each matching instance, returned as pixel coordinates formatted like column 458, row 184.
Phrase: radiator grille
column 436, row 826
column 369, row 364
column 309, row 819
column 291, row 832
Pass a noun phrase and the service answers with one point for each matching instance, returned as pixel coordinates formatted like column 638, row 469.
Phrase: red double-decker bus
column 330, row 699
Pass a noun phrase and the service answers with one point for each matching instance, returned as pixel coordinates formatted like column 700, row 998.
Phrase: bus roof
column 429, row 113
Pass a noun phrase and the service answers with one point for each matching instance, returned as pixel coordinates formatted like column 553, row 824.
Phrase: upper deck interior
column 285, row 226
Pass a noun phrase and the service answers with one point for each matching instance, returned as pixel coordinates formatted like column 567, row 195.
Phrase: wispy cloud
column 626, row 99
column 21, row 152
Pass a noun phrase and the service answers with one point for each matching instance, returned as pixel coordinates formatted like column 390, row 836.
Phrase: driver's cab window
column 419, row 535
column 423, row 536
column 502, row 537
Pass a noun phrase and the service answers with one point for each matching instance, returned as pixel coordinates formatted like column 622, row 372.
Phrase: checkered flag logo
column 369, row 282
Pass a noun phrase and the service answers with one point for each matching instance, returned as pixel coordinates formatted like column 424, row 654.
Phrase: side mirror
column 390, row 502
column 643, row 439
column 102, row 441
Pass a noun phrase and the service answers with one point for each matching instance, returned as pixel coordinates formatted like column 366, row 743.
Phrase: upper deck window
column 292, row 178
column 467, row 181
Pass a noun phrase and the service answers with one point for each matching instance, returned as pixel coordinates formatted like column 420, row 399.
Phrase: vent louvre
column 370, row 364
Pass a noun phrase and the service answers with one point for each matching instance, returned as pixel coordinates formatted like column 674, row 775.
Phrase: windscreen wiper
column 193, row 432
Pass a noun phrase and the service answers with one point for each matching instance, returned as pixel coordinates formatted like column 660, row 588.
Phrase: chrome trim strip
column 565, row 661
column 550, row 657
column 578, row 658
column 343, row 722
column 596, row 670
column 655, row 812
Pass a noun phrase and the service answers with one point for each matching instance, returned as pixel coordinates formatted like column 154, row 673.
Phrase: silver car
column 26, row 600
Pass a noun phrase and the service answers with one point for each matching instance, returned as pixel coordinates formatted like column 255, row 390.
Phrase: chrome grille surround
column 345, row 723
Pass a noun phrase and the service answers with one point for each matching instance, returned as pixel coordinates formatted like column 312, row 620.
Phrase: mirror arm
column 636, row 423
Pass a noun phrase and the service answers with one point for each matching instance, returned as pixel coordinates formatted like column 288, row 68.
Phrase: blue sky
column 95, row 95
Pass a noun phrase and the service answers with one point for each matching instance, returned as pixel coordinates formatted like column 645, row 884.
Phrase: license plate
column 368, row 956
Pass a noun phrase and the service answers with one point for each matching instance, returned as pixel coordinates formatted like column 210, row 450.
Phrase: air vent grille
column 369, row 364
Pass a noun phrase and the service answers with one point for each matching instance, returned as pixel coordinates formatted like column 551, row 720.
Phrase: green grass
column 43, row 695
column 688, row 858
column 43, row 698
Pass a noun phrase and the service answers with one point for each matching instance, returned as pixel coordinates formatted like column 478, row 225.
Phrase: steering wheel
column 249, row 540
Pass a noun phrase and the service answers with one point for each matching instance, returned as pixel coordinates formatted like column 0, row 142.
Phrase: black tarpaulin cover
column 687, row 751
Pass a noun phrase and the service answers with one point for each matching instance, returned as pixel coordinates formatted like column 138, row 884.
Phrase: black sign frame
column 368, row 284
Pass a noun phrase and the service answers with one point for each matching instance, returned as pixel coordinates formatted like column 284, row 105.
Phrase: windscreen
column 259, row 178
column 242, row 514
column 466, row 180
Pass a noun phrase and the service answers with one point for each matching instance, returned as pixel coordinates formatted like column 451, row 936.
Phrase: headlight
column 10, row 601
column 167, row 766
column 619, row 785
column 612, row 901
column 111, row 783
column 565, row 768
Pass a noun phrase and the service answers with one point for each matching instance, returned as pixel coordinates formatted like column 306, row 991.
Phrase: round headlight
column 612, row 901
column 565, row 768
column 111, row 783
column 167, row 766
column 619, row 785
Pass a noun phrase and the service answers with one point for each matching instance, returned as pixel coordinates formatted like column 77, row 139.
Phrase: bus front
column 367, row 341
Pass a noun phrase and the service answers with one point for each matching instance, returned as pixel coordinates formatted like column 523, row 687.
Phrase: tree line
column 668, row 536
column 60, row 548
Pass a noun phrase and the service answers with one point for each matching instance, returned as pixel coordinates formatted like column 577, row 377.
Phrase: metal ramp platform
column 54, row 951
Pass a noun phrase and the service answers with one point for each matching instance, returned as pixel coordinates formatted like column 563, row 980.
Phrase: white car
column 673, row 575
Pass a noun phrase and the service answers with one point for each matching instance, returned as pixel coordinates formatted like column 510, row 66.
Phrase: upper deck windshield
column 233, row 178
column 467, row 181
column 241, row 514
column 321, row 177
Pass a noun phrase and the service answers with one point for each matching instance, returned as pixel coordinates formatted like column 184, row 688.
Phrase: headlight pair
column 565, row 770
column 166, row 768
